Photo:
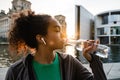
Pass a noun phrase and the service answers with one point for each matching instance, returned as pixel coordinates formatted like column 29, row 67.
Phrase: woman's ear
column 40, row 39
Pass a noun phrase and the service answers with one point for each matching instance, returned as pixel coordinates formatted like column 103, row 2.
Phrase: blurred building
column 107, row 27
column 104, row 26
column 61, row 20
column 17, row 6
column 84, row 23
column 4, row 24
column 5, row 18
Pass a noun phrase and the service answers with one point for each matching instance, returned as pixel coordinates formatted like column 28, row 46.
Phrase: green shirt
column 47, row 71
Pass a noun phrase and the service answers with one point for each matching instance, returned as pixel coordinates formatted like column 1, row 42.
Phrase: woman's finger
column 97, row 41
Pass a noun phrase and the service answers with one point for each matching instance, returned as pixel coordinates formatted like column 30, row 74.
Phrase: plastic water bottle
column 102, row 50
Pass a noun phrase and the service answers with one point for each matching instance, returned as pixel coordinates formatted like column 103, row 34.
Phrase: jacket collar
column 27, row 59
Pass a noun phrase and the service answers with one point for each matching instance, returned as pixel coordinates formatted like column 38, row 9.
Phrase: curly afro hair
column 22, row 35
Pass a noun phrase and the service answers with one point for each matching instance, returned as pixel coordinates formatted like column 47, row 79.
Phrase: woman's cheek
column 51, row 43
column 55, row 39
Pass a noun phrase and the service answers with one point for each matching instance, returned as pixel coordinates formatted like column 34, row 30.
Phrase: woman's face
column 54, row 38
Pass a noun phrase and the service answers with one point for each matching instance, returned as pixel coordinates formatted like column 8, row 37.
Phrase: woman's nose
column 63, row 35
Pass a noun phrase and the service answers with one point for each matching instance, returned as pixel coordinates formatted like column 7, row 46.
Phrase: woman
column 43, row 33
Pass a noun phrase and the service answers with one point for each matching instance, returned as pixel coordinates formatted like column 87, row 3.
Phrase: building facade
column 84, row 26
column 6, row 19
column 107, row 27
column 4, row 25
column 17, row 6
column 62, row 21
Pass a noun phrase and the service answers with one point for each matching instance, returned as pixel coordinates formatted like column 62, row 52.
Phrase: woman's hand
column 90, row 46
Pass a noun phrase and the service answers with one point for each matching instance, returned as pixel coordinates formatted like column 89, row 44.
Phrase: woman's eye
column 57, row 30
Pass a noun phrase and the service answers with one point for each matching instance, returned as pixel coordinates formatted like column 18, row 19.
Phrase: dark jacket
column 71, row 69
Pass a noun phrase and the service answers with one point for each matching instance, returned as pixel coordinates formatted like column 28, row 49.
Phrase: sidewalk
column 3, row 73
column 112, row 71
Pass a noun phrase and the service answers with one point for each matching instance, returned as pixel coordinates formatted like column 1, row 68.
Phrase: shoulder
column 14, row 69
column 22, row 63
column 17, row 66
column 75, row 66
column 70, row 60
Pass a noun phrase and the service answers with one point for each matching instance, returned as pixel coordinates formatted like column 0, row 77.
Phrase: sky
column 98, row 6
column 66, row 8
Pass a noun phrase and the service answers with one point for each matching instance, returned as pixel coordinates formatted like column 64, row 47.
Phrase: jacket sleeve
column 9, row 75
column 97, row 68
column 81, row 72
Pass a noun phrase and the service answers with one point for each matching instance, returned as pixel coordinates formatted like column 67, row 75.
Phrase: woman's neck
column 44, row 56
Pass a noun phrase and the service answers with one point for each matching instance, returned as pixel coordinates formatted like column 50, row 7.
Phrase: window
column 105, row 19
column 115, row 18
column 104, row 40
column 100, row 31
column 115, row 40
column 103, row 31
column 115, row 30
